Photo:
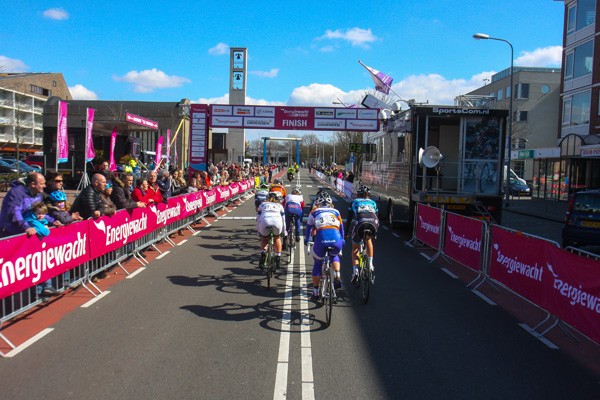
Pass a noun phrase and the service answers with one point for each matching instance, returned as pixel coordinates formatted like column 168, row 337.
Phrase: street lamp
column 480, row 36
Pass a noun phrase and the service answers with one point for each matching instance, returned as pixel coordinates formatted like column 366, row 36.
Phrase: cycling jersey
column 294, row 204
column 363, row 216
column 326, row 225
column 270, row 214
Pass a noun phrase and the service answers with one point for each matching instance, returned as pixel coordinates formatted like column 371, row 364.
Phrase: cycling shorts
column 270, row 220
column 364, row 223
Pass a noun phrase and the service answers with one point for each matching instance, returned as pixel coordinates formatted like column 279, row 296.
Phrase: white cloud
column 315, row 94
column 148, row 80
column 327, row 49
column 80, row 92
column 265, row 74
column 12, row 65
column 219, row 49
column 550, row 56
column 356, row 36
column 57, row 14
column 225, row 100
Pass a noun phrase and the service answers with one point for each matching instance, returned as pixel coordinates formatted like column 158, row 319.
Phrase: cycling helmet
column 324, row 201
column 57, row 196
column 296, row 190
column 278, row 182
column 273, row 196
column 363, row 191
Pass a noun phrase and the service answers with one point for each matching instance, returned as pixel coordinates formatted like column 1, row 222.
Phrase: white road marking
column 95, row 299
column 182, row 242
column 28, row 343
column 134, row 273
column 162, row 255
column 308, row 383
column 395, row 234
column 281, row 376
column 236, row 218
column 449, row 273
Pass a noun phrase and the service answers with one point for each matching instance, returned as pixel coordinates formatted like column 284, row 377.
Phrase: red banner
column 560, row 282
column 111, row 233
column 27, row 261
column 463, row 240
column 429, row 220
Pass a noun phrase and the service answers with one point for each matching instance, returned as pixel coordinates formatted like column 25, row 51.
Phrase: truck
column 446, row 156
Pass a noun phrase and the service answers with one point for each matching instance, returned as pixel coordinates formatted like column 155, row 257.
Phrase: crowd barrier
column 566, row 285
column 74, row 253
column 341, row 186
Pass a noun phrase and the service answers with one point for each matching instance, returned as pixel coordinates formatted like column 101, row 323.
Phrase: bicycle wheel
column 270, row 262
column 365, row 279
column 329, row 297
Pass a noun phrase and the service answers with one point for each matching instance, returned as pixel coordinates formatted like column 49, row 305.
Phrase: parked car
column 519, row 188
column 21, row 166
column 582, row 220
column 35, row 159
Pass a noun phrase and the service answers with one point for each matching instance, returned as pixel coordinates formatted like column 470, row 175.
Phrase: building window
column 53, row 83
column 507, row 92
column 522, row 91
column 40, row 90
column 571, row 19
column 580, row 108
column 520, row 116
column 579, row 61
column 586, row 13
column 566, row 115
column 499, row 96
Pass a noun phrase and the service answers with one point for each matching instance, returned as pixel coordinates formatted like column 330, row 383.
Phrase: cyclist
column 270, row 216
column 328, row 232
column 362, row 215
column 277, row 186
column 320, row 194
column 261, row 195
column 291, row 172
column 294, row 204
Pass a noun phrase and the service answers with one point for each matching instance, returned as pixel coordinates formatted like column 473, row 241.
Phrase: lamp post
column 480, row 36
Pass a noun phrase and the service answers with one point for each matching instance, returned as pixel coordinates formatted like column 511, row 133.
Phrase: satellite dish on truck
column 430, row 157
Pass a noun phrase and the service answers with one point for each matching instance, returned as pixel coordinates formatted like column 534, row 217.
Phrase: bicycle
column 270, row 257
column 327, row 295
column 365, row 275
column 291, row 241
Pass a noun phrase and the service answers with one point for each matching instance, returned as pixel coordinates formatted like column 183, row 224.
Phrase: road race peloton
column 328, row 233
column 294, row 204
column 278, row 187
column 362, row 215
column 270, row 216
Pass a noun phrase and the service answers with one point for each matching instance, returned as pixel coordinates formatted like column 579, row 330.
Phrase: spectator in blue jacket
column 18, row 200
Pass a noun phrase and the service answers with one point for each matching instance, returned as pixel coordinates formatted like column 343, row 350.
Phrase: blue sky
column 299, row 53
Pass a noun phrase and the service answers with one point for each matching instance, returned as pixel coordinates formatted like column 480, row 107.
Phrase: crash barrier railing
column 341, row 186
column 73, row 254
column 562, row 283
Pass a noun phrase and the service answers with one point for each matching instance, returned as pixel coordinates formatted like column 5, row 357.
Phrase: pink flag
column 90, row 153
column 113, row 140
column 382, row 81
column 62, row 140
column 158, row 153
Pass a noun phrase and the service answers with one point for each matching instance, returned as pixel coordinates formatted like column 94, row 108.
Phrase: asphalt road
column 200, row 323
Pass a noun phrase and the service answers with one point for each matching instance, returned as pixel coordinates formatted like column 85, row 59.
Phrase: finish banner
column 560, row 282
column 429, row 220
column 27, row 261
column 294, row 118
column 463, row 240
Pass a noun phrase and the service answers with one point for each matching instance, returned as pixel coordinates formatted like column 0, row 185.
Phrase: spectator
column 350, row 177
column 141, row 192
column 58, row 208
column 121, row 196
column 108, row 207
column 17, row 201
column 192, row 186
column 165, row 184
column 127, row 183
column 89, row 202
column 153, row 188
column 178, row 184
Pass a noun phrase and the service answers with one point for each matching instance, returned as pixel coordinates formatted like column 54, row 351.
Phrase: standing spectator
column 178, row 184
column 58, row 208
column 127, row 183
column 108, row 207
column 19, row 200
column 165, row 184
column 153, row 188
column 89, row 202
column 121, row 195
column 141, row 193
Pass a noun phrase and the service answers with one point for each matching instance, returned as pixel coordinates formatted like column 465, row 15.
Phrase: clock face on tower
column 238, row 60
column 238, row 80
